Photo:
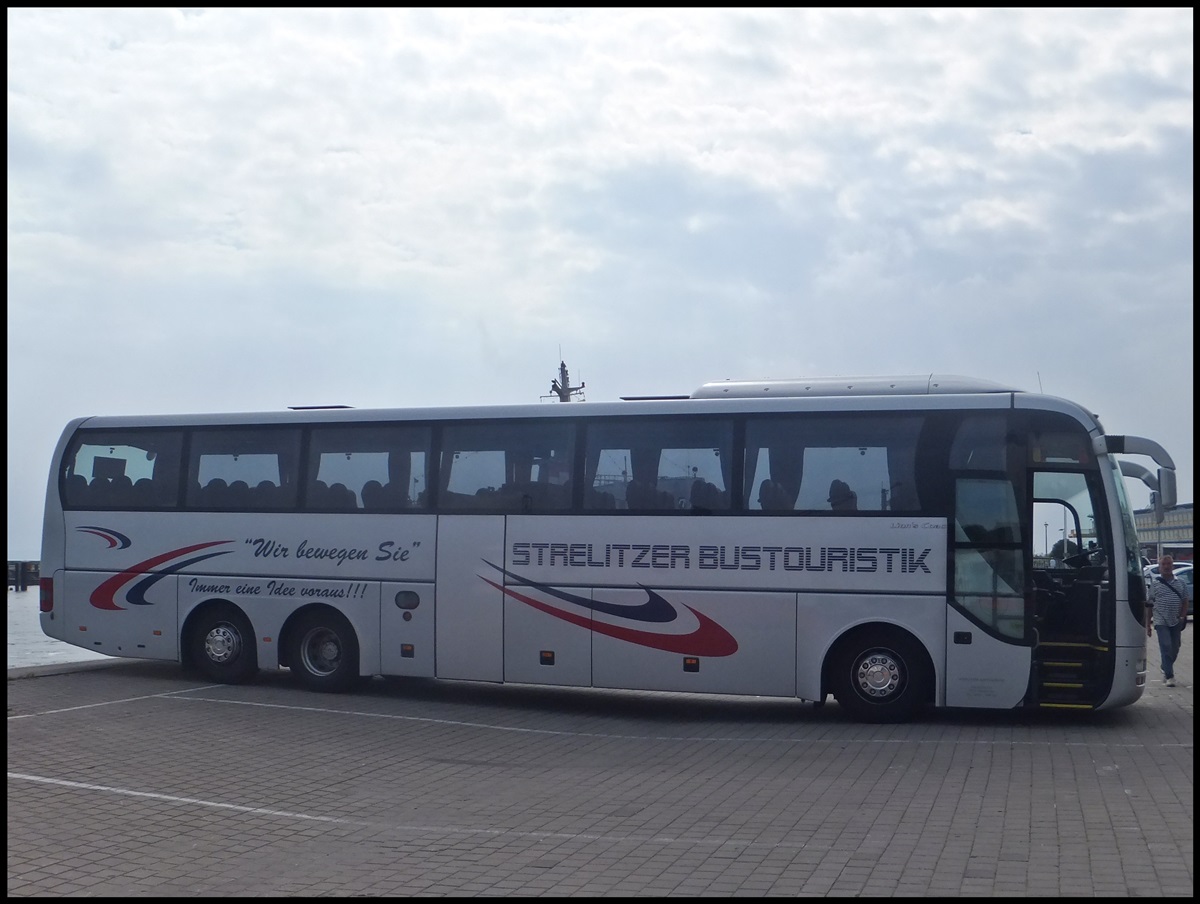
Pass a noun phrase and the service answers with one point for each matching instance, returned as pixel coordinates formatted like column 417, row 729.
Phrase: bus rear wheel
column 880, row 675
column 323, row 652
column 221, row 645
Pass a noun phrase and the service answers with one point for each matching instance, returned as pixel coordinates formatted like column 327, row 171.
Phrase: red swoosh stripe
column 103, row 597
column 709, row 638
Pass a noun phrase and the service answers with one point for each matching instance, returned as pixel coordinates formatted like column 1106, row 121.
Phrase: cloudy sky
column 251, row 209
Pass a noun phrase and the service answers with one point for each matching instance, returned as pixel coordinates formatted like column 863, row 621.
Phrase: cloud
column 238, row 209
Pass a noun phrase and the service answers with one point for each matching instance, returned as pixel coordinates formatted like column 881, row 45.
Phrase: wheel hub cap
column 221, row 644
column 878, row 675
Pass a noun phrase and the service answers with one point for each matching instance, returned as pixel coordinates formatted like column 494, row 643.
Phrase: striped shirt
column 1166, row 602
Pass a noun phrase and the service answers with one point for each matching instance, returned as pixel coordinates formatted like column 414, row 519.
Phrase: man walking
column 1169, row 604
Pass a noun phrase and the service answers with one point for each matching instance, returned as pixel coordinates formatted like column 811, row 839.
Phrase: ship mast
column 562, row 388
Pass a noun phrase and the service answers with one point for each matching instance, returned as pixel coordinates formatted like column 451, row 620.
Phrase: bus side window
column 225, row 462
column 366, row 467
column 650, row 465
column 123, row 469
column 513, row 468
column 989, row 571
column 792, row 461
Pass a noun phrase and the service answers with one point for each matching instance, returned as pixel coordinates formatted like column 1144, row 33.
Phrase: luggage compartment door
column 469, row 621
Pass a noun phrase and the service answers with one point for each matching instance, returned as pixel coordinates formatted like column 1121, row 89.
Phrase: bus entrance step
column 1057, row 695
column 1066, row 675
column 1051, row 705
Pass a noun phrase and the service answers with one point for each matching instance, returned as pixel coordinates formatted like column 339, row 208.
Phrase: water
column 27, row 645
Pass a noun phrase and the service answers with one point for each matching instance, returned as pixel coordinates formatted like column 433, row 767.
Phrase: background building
column 1172, row 537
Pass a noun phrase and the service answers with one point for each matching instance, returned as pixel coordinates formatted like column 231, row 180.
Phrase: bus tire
column 221, row 644
column 323, row 651
column 880, row 675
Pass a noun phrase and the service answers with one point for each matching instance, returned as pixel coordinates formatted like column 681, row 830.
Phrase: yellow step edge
column 1065, row 706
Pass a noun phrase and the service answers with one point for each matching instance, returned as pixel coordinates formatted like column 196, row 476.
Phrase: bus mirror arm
column 1155, row 483
column 1145, row 475
column 1161, row 486
column 1132, row 445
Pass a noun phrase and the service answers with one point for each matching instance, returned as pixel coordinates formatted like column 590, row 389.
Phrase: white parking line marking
column 170, row 798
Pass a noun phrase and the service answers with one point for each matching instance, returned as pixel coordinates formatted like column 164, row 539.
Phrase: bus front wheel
column 880, row 675
column 221, row 645
column 323, row 651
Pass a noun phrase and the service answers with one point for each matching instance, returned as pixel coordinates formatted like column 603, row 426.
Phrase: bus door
column 1073, row 613
column 987, row 652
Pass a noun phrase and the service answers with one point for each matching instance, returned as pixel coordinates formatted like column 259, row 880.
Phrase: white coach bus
column 886, row 541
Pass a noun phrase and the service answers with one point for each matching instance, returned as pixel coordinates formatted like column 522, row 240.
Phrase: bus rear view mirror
column 1166, row 497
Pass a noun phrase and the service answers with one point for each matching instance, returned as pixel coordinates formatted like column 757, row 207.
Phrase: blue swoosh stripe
column 137, row 593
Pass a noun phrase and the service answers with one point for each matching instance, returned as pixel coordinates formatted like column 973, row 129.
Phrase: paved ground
column 134, row 779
